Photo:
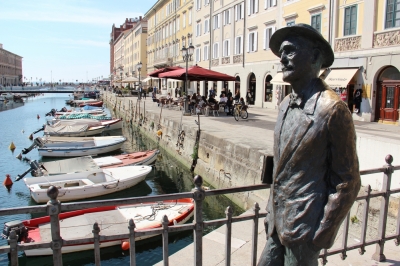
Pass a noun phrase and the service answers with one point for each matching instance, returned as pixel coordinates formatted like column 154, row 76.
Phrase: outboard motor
column 18, row 227
column 37, row 142
column 34, row 169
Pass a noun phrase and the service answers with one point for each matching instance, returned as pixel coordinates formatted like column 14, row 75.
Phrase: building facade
column 170, row 25
column 135, row 50
column 10, row 68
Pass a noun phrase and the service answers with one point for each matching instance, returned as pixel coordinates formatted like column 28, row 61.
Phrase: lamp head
column 184, row 52
column 191, row 50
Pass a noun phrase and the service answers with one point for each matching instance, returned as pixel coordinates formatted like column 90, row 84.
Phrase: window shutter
column 255, row 41
column 273, row 2
column 199, row 54
column 229, row 16
column 265, row 38
column 242, row 11
column 236, row 40
column 224, row 17
column 200, row 29
column 249, row 7
column 219, row 20
column 256, row 6
column 229, row 47
column 266, row 4
column 248, row 43
column 236, row 13
column 223, row 48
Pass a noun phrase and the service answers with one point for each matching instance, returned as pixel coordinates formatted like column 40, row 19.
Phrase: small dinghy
column 112, row 220
column 75, row 146
column 88, row 184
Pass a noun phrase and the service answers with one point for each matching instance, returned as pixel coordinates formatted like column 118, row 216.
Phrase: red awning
column 196, row 73
column 155, row 73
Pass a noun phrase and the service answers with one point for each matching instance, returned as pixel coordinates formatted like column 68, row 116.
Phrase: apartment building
column 135, row 50
column 10, row 68
column 232, row 36
column 169, row 30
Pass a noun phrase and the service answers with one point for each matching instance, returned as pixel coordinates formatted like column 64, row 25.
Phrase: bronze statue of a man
column 316, row 176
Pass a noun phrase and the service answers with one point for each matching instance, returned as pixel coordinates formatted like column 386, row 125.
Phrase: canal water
column 168, row 176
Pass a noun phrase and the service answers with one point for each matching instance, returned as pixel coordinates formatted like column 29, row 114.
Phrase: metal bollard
column 198, row 196
column 96, row 236
column 165, row 223
column 256, row 210
column 132, row 244
column 228, row 235
column 387, row 177
column 53, row 210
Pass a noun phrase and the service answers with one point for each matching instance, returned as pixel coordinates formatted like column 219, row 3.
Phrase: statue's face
column 296, row 58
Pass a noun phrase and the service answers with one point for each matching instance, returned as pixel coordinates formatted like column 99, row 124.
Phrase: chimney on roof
column 140, row 18
column 1, row 46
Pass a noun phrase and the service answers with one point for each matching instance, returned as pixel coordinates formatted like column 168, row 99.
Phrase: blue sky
column 67, row 40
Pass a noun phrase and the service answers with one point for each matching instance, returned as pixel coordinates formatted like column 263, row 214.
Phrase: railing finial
column 52, row 192
column 389, row 159
column 198, row 181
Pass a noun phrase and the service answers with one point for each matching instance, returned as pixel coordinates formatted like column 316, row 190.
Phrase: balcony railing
column 54, row 207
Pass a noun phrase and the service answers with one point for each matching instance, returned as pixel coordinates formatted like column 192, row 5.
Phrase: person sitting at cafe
column 212, row 100
column 169, row 98
column 229, row 106
column 193, row 101
column 223, row 98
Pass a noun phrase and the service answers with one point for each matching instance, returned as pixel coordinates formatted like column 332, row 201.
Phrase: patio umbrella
column 130, row 80
column 156, row 73
column 196, row 73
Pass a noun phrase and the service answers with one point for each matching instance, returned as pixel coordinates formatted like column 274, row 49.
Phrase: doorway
column 252, row 87
column 388, row 94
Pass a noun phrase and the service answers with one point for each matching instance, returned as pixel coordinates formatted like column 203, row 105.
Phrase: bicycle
column 240, row 111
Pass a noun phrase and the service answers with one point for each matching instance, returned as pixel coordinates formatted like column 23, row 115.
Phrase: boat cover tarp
column 78, row 164
column 60, row 128
column 89, row 116
column 88, row 122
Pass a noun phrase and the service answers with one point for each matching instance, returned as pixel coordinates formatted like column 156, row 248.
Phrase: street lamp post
column 139, row 68
column 186, row 56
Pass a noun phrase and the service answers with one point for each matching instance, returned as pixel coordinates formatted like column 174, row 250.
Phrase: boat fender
column 38, row 116
column 7, row 182
column 12, row 146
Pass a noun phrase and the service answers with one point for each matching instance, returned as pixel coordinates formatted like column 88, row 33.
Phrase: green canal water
column 168, row 176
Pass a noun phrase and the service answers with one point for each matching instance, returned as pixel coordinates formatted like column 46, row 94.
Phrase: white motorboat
column 75, row 146
column 108, row 124
column 7, row 95
column 88, row 184
column 112, row 220
column 72, row 130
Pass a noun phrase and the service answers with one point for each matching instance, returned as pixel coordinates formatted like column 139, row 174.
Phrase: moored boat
column 72, row 130
column 96, row 104
column 87, row 184
column 75, row 146
column 112, row 220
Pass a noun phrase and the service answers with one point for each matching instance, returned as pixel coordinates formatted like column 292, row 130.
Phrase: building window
column 198, row 55
column 252, row 7
column 239, row 11
column 206, row 2
column 184, row 20
column 238, row 45
column 350, row 20
column 267, row 36
column 190, row 16
column 198, row 4
column 198, row 29
column 226, row 48
column 269, row 3
column 316, row 22
column 205, row 55
column 227, row 16
column 290, row 23
column 215, row 50
column 177, row 23
column 252, row 42
column 392, row 14
column 206, row 25
column 216, row 22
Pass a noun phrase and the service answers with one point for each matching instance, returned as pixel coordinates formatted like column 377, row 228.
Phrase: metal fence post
column 256, row 210
column 165, row 223
column 13, row 242
column 96, row 236
column 387, row 177
column 53, row 209
column 228, row 235
column 132, row 245
column 198, row 196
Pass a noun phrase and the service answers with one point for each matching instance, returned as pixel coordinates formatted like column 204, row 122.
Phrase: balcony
column 348, row 44
column 225, row 60
column 163, row 62
column 238, row 59
column 215, row 62
column 386, row 38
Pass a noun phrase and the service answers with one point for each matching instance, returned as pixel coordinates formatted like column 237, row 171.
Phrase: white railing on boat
column 54, row 207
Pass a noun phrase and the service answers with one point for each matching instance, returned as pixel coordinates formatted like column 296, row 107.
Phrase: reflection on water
column 168, row 176
column 7, row 105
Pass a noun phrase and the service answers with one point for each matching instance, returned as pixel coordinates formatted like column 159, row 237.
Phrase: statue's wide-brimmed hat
column 307, row 32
